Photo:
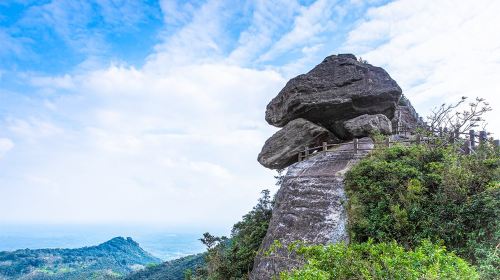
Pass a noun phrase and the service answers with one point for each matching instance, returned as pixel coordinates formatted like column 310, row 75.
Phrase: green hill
column 171, row 270
column 109, row 260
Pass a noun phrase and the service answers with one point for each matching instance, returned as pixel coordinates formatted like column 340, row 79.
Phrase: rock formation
column 340, row 99
column 406, row 116
column 366, row 125
column 338, row 89
column 282, row 148
column 309, row 206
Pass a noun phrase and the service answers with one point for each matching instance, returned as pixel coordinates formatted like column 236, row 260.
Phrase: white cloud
column 32, row 128
column 5, row 145
column 200, row 40
column 176, row 13
column 268, row 19
column 436, row 50
column 11, row 45
column 312, row 21
column 147, row 146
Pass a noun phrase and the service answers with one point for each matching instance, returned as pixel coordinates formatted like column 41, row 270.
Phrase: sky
column 144, row 112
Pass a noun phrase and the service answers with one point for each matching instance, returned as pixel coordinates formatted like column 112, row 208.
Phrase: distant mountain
column 110, row 260
column 171, row 270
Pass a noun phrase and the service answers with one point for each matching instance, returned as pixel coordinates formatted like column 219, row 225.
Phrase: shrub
column 379, row 261
column 409, row 194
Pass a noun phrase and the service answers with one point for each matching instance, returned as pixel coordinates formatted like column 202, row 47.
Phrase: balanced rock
column 282, row 148
column 338, row 89
column 366, row 125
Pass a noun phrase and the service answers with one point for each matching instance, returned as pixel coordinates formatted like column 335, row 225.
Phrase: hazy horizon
column 164, row 243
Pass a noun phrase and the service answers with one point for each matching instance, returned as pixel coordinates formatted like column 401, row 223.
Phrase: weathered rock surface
column 366, row 125
column 282, row 148
column 406, row 117
column 309, row 206
column 338, row 89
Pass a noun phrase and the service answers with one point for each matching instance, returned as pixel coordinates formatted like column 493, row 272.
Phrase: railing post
column 355, row 145
column 483, row 136
column 472, row 138
column 398, row 124
column 388, row 142
column 418, row 139
column 468, row 147
column 300, row 156
column 306, row 152
column 455, row 135
column 325, row 146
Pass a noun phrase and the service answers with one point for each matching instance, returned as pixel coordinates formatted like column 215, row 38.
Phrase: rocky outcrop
column 366, row 125
column 406, row 117
column 341, row 97
column 338, row 89
column 309, row 207
column 282, row 148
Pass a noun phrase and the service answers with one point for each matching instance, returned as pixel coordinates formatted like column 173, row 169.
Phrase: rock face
column 366, row 125
column 309, row 206
column 406, row 117
column 282, row 148
column 338, row 89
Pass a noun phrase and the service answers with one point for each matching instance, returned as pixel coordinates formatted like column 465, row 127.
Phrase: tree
column 453, row 119
column 233, row 258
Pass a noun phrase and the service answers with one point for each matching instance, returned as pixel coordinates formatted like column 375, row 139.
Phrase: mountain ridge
column 112, row 259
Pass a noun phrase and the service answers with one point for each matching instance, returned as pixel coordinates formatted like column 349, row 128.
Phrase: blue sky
column 152, row 112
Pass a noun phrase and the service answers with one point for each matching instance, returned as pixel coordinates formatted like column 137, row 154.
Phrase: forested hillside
column 170, row 270
column 109, row 260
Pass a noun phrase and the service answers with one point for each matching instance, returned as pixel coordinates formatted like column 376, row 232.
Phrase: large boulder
column 366, row 125
column 338, row 89
column 282, row 148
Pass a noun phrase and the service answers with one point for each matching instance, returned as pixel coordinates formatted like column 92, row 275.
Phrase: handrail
column 441, row 135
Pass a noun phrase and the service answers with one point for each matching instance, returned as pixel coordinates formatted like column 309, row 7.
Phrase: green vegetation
column 379, row 261
column 233, row 258
column 416, row 193
column 171, row 270
column 109, row 260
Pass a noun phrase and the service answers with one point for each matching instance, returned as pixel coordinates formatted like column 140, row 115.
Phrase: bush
column 379, row 261
column 409, row 194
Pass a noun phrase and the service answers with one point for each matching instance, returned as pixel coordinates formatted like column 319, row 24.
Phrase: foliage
column 233, row 258
column 109, row 260
column 379, row 261
column 170, row 270
column 409, row 194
